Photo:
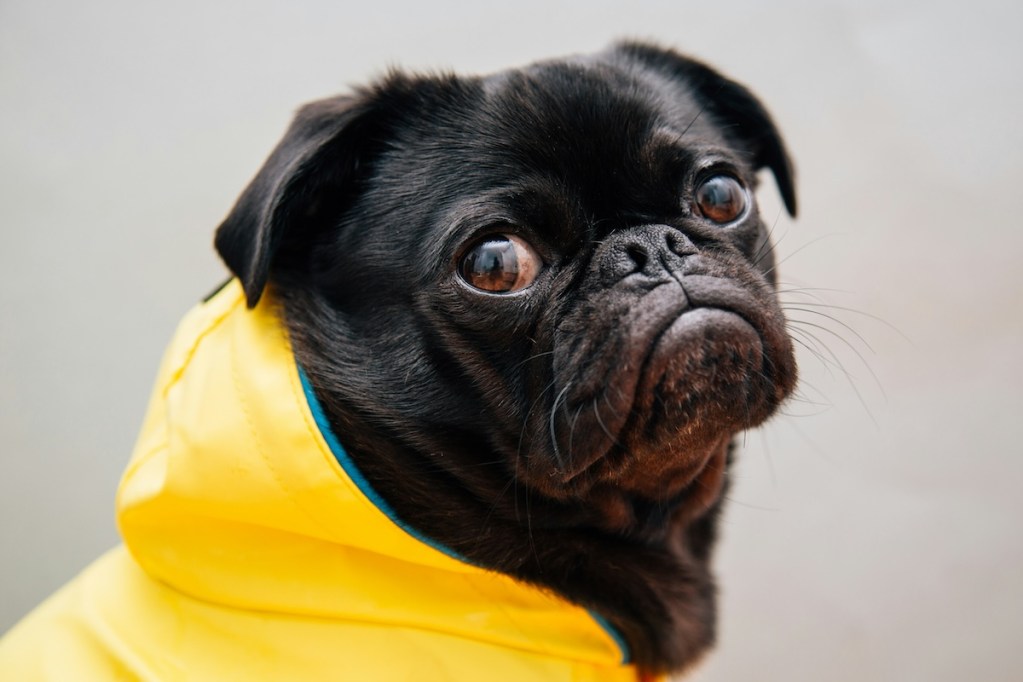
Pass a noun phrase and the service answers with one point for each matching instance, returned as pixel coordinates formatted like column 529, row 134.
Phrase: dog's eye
column 500, row 264
column 721, row 199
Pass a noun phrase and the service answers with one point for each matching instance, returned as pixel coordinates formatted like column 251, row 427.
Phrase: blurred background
column 874, row 529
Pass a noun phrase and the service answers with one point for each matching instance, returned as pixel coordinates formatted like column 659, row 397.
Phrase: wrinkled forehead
column 591, row 111
column 555, row 145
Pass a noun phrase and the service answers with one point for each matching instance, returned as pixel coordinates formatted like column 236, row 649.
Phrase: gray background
column 874, row 529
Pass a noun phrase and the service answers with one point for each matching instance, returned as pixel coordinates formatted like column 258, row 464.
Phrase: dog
column 528, row 313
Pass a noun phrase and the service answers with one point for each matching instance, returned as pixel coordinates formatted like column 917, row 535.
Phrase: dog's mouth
column 650, row 397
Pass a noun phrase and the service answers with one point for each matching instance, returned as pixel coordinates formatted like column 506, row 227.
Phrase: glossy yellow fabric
column 250, row 553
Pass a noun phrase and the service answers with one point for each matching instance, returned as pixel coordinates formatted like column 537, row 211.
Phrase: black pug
column 537, row 306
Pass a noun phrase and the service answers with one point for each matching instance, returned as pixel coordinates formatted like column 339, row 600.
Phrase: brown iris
column 721, row 199
column 500, row 264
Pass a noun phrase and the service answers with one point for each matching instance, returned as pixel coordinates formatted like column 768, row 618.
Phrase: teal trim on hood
column 346, row 462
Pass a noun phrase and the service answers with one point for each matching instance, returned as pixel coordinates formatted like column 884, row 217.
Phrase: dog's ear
column 304, row 182
column 731, row 105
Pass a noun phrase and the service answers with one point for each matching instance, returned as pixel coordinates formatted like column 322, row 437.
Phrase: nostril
column 637, row 254
column 645, row 255
column 680, row 244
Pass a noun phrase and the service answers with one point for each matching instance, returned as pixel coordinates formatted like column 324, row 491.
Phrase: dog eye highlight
column 500, row 264
column 721, row 199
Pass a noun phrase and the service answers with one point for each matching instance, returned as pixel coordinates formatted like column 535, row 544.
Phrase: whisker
column 838, row 365
column 801, row 248
column 571, row 433
column 551, row 426
column 531, row 358
column 854, row 311
column 851, row 347
column 816, row 352
column 607, row 401
column 603, row 427
column 525, row 419
column 769, row 245
column 810, row 291
column 732, row 500
column 835, row 320
column 824, row 410
column 771, row 473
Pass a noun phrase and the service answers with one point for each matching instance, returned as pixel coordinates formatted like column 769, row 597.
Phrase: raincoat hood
column 254, row 549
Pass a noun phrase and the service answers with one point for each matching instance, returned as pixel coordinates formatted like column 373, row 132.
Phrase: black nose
column 650, row 252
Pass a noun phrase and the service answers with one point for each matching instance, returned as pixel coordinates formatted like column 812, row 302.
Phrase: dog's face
column 536, row 307
column 562, row 266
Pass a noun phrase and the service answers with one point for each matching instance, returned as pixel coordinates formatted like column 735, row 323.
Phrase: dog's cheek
column 487, row 348
column 759, row 251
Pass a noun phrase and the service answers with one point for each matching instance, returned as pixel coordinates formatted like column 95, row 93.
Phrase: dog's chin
column 658, row 427
column 694, row 387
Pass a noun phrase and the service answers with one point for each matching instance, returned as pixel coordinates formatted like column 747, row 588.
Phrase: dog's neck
column 640, row 564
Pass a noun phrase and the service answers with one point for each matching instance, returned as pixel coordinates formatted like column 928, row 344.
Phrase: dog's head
column 563, row 266
column 551, row 284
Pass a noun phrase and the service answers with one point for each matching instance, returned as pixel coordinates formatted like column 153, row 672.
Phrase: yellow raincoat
column 254, row 549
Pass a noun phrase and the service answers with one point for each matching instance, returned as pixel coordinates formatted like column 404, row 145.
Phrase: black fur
column 574, row 434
